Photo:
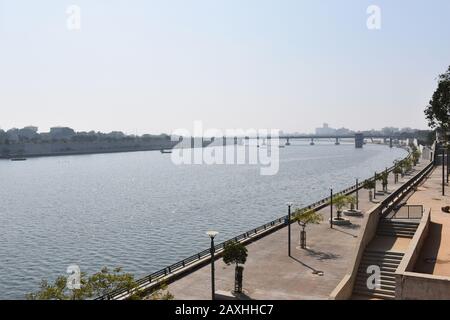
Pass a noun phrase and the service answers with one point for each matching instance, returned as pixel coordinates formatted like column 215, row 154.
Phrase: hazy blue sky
column 153, row 66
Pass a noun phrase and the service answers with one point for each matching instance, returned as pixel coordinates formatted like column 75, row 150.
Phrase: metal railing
column 390, row 203
column 159, row 275
column 406, row 212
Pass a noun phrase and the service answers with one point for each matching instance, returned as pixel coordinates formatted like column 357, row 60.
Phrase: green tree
column 416, row 156
column 96, row 285
column 397, row 170
column 438, row 111
column 340, row 201
column 235, row 253
column 369, row 185
column 384, row 178
column 303, row 218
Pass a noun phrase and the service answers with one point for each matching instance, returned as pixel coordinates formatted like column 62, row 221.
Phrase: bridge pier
column 235, row 140
column 312, row 142
column 390, row 142
column 224, row 141
column 287, row 142
column 337, row 141
column 359, row 140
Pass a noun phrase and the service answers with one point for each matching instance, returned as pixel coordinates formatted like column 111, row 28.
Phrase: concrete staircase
column 397, row 228
column 388, row 262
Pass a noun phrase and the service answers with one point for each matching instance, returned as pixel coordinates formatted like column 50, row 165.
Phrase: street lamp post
column 331, row 208
column 443, row 172
column 448, row 161
column 212, row 235
column 289, row 204
column 375, row 185
column 357, row 194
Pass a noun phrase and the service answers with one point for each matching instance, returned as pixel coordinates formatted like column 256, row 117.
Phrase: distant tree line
column 65, row 134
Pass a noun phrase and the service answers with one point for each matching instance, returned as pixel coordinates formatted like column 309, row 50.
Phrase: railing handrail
column 408, row 207
column 154, row 277
column 388, row 204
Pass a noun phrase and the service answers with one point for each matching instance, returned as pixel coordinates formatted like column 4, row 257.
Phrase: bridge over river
column 359, row 139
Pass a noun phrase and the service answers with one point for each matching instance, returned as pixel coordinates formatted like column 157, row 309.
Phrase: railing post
column 443, row 172
column 331, row 208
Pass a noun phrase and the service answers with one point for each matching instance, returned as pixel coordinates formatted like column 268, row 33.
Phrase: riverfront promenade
column 271, row 274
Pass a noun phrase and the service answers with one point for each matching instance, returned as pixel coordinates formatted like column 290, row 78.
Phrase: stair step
column 366, row 264
column 403, row 224
column 397, row 229
column 407, row 224
column 380, row 258
column 393, row 235
column 383, row 286
column 386, row 278
column 376, row 295
column 397, row 226
column 363, row 267
column 411, row 223
column 386, row 259
column 391, row 253
column 364, row 288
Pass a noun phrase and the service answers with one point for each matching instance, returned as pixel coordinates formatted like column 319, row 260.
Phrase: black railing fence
column 391, row 202
column 406, row 211
column 158, row 275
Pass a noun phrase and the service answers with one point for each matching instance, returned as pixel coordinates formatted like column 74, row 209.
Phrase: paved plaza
column 271, row 274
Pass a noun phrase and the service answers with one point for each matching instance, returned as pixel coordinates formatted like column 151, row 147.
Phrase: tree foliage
column 369, row 184
column 438, row 111
column 306, row 216
column 340, row 201
column 234, row 252
column 96, row 285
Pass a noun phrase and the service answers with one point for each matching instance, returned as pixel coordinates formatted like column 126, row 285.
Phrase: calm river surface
column 140, row 211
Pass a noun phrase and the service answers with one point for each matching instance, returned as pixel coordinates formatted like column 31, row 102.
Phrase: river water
column 142, row 212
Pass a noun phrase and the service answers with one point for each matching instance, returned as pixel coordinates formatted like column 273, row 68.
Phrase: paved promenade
column 271, row 274
column 437, row 245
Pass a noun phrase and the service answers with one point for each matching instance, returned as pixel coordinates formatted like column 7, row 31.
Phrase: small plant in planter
column 235, row 252
column 384, row 180
column 339, row 202
column 303, row 218
column 408, row 164
column 369, row 185
column 416, row 156
column 397, row 170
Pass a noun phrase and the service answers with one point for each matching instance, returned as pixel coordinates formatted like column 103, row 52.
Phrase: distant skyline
column 341, row 130
column 145, row 66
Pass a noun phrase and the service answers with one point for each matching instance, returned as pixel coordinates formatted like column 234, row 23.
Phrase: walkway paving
column 270, row 274
column 437, row 245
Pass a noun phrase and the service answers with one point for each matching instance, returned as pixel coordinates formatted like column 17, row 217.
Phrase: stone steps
column 388, row 262
column 391, row 228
